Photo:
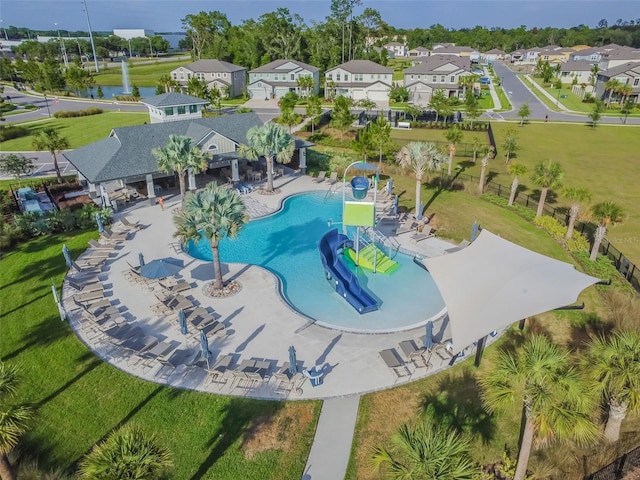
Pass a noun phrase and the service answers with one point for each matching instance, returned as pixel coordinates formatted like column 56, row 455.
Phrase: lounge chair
column 85, row 287
column 89, row 296
column 114, row 237
column 392, row 360
column 423, row 235
column 333, row 178
column 101, row 246
column 415, row 354
column 322, row 175
column 178, row 360
column 217, row 373
column 129, row 224
column 409, row 225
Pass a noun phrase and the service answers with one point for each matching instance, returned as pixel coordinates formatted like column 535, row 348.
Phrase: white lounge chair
column 321, row 177
column 333, row 178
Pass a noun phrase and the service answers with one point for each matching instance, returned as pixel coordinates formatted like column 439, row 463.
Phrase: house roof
column 211, row 65
column 394, row 44
column 127, row 152
column 620, row 69
column 577, row 66
column 419, row 49
column 272, row 67
column 361, row 66
column 173, row 99
column 493, row 283
column 623, row 54
column 362, row 84
column 496, row 51
column 452, row 49
column 430, row 64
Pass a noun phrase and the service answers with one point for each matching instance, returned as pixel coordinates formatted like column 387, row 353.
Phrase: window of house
column 434, row 79
column 337, row 77
column 168, row 111
column 182, row 76
column 193, row 109
column 212, row 147
column 546, row 57
column 293, row 76
column 442, row 79
column 182, row 110
column 329, row 76
column 224, row 75
column 235, row 75
column 188, row 75
column 453, row 79
column 357, row 77
column 636, row 81
column 346, row 77
column 411, row 77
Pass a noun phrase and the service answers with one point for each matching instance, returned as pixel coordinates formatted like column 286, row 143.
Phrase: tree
column 420, row 157
column 556, row 403
column 612, row 86
column 363, row 143
column 483, row 171
column 14, row 419
column 596, row 112
column 471, row 107
column 341, row 117
column 613, row 364
column 605, row 213
column 466, row 81
column 313, row 110
column 48, row 139
column 270, row 141
column 367, row 104
column 127, row 453
column 306, row 83
column 195, row 87
column 413, row 111
column 135, row 92
column 510, row 144
column 454, row 136
column 515, row 170
column 380, row 135
column 546, row 175
column 627, row 108
column 625, row 89
column 426, row 451
column 594, row 74
column 576, row 195
column 438, row 102
column 16, row 164
column 213, row 213
column 476, row 144
column 523, row 112
column 99, row 92
column 180, row 155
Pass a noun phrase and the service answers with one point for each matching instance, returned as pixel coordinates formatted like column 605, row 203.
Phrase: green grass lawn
column 601, row 159
column 145, row 75
column 80, row 399
column 79, row 131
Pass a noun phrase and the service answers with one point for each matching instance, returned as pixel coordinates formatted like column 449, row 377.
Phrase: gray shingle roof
column 429, row 64
column 577, row 66
column 620, row 69
column 127, row 152
column 362, row 66
column 272, row 67
column 173, row 99
column 213, row 66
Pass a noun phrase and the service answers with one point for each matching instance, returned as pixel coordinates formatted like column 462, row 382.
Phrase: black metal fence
column 619, row 468
column 625, row 266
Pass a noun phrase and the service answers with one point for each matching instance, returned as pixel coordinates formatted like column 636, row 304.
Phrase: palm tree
column 483, row 170
column 270, row 141
column 426, row 451
column 49, row 139
column 180, row 155
column 127, row 453
column 306, row 83
column 510, row 144
column 611, row 86
column 546, row 176
column 14, row 419
column 555, row 400
column 613, row 363
column 515, row 170
column 576, row 195
column 213, row 213
column 594, row 74
column 380, row 135
column 624, row 90
column 454, row 136
column 467, row 81
column 606, row 213
column 420, row 156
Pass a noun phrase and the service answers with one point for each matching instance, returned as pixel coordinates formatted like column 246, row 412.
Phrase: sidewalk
column 494, row 95
column 329, row 455
column 558, row 104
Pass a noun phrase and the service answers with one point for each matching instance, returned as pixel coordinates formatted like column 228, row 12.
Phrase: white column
column 192, row 179
column 93, row 193
column 151, row 192
column 303, row 160
column 235, row 173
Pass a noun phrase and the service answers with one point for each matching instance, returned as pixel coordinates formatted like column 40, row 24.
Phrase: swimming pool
column 286, row 243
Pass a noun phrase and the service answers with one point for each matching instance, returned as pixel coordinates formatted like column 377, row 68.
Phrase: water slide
column 370, row 256
column 346, row 283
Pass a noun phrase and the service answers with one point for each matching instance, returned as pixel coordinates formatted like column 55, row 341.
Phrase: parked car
column 485, row 80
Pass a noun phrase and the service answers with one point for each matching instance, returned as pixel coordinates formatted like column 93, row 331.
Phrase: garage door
column 358, row 94
column 378, row 95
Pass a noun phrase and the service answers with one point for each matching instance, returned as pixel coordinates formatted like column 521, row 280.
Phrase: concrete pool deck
column 259, row 324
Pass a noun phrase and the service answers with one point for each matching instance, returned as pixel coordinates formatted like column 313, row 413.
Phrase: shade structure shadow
column 205, row 271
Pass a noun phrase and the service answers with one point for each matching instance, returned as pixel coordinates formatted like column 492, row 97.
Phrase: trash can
column 359, row 187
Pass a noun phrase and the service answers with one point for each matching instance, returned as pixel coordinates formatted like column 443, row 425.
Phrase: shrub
column 603, row 268
column 577, row 243
column 11, row 132
column 524, row 212
column 550, row 225
column 243, row 110
column 78, row 113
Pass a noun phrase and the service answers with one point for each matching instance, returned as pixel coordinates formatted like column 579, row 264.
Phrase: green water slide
column 370, row 255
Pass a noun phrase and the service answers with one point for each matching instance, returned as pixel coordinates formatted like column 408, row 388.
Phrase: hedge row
column 78, row 113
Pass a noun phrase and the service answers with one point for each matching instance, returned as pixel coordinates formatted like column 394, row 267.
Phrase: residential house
column 359, row 80
column 493, row 55
column 398, row 49
column 418, row 52
column 628, row 74
column 224, row 76
column 438, row 72
column 529, row 56
column 594, row 54
column 581, row 70
column 555, row 54
column 172, row 107
column 277, row 78
column 619, row 57
column 460, row 51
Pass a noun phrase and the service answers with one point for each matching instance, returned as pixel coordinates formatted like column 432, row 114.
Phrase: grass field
column 80, row 399
column 146, row 75
column 601, row 159
column 79, row 131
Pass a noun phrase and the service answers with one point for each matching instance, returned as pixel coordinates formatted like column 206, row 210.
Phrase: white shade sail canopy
column 493, row 283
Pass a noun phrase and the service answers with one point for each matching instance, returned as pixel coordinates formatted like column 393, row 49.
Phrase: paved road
column 518, row 94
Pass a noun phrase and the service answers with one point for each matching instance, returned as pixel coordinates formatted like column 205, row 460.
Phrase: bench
column 404, row 125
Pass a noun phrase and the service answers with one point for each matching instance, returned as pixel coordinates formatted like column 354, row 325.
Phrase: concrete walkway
column 535, row 84
column 329, row 456
column 494, row 95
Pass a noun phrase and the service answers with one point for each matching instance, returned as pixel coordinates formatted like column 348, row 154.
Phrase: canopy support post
column 480, row 350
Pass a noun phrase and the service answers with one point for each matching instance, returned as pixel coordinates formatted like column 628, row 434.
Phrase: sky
column 166, row 15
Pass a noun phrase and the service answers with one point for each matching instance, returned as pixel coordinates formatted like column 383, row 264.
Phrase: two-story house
column 581, row 70
column 277, row 78
column 172, row 106
column 593, row 54
column 398, row 49
column 359, row 80
column 626, row 74
column 458, row 51
column 418, row 52
column 215, row 73
column 493, row 55
column 619, row 57
column 438, row 72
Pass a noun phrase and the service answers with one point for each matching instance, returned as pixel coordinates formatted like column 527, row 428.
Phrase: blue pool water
column 286, row 243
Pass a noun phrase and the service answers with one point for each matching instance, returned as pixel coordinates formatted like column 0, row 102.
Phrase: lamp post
column 150, row 47
column 558, row 99
column 129, row 40
column 63, row 50
column 46, row 101
column 93, row 45
column 6, row 37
